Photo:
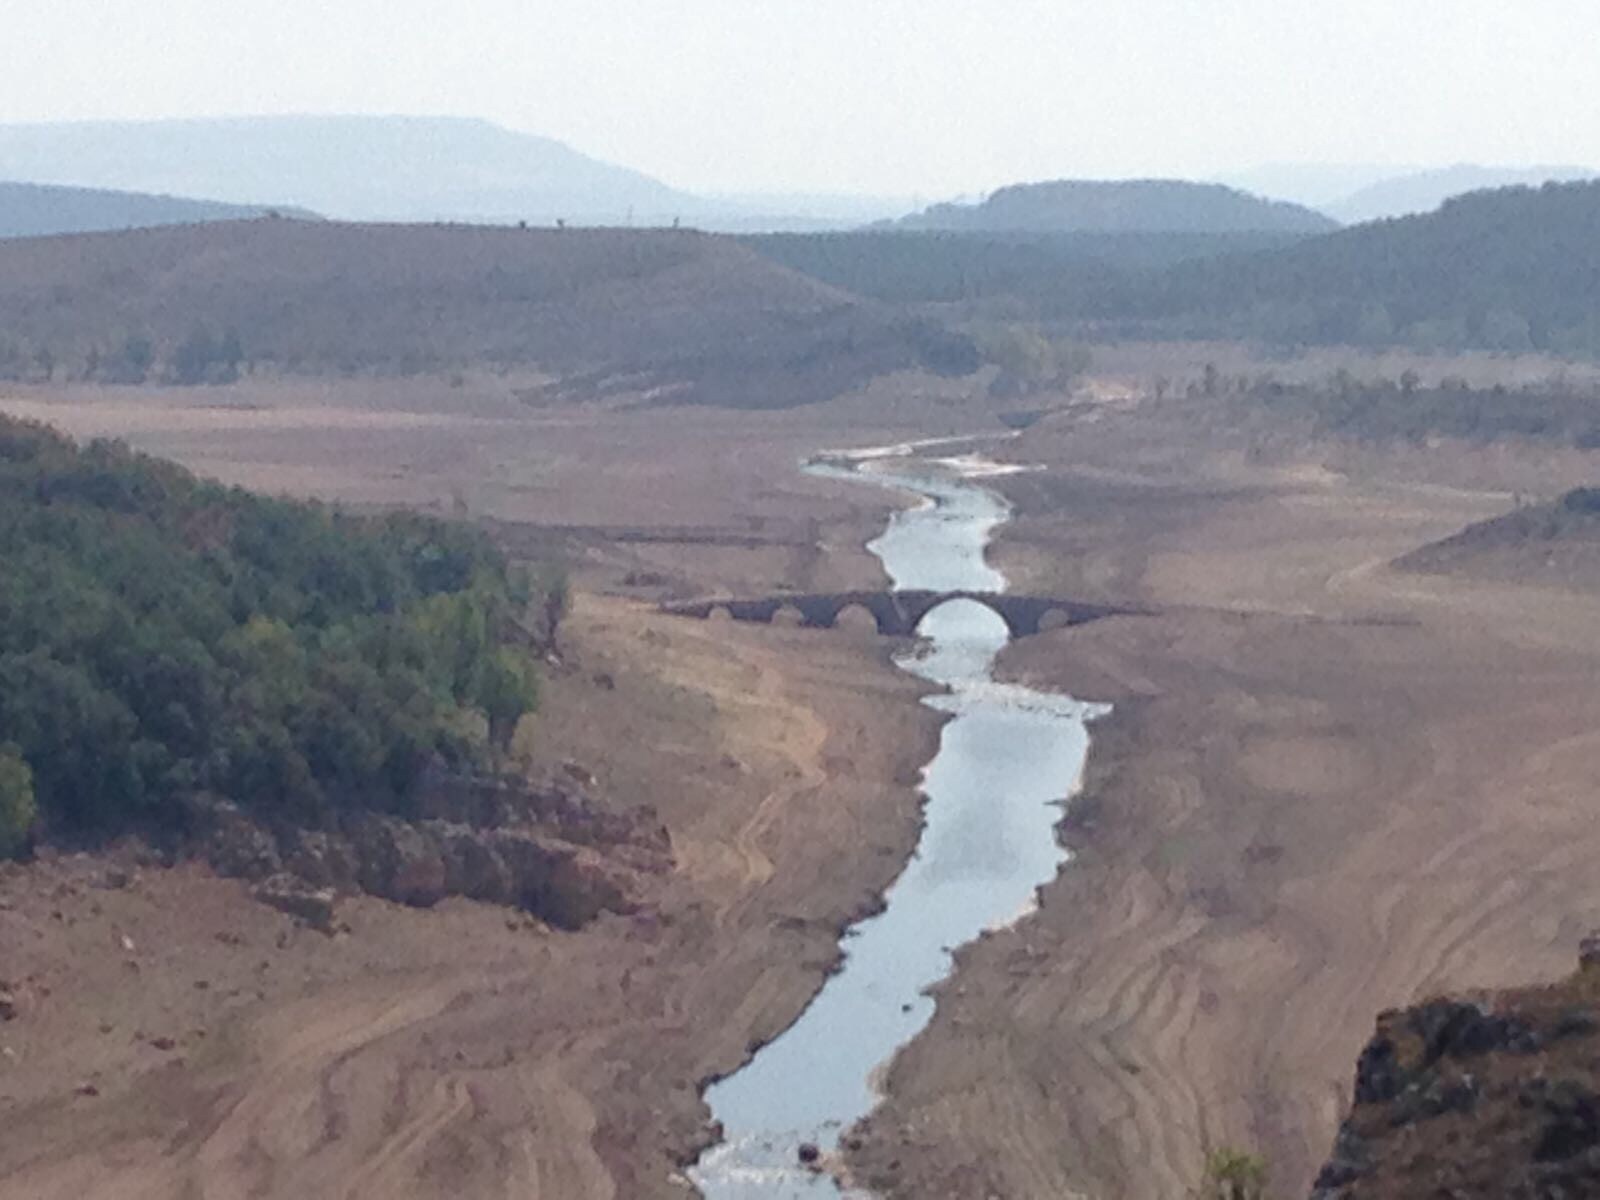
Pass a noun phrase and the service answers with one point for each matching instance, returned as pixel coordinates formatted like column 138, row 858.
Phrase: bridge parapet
column 898, row 614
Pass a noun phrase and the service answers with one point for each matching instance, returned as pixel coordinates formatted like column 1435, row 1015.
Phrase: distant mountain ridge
column 41, row 210
column 350, row 168
column 1425, row 191
column 1314, row 184
column 396, row 168
column 1121, row 206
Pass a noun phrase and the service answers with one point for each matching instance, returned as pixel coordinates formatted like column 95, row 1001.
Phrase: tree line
column 1513, row 270
column 1557, row 410
column 163, row 636
column 202, row 356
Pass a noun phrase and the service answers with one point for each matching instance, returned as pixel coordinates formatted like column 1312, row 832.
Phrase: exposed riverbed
column 1007, row 758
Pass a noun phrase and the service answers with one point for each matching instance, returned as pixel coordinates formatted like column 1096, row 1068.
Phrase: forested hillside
column 163, row 637
column 1516, row 269
column 1512, row 270
column 1052, row 273
column 682, row 316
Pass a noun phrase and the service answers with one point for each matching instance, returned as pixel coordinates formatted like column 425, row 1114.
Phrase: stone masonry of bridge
column 898, row 614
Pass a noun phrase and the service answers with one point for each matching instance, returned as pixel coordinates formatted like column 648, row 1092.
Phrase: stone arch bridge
column 897, row 614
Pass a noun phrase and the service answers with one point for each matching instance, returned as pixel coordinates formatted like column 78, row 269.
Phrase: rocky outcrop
column 1494, row 1096
column 299, row 899
column 551, row 852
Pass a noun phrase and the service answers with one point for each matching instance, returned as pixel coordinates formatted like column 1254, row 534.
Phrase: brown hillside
column 698, row 317
column 1555, row 543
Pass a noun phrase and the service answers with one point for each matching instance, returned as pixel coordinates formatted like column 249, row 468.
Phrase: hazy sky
column 905, row 96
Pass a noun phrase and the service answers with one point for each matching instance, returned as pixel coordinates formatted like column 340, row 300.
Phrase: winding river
column 1007, row 758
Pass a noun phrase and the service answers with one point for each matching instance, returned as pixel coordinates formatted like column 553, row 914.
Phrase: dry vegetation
column 678, row 316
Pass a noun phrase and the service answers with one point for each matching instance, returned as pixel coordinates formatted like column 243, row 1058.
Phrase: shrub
column 1234, row 1175
column 1582, row 500
column 17, row 809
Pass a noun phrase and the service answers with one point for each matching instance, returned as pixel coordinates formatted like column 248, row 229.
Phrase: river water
column 1007, row 758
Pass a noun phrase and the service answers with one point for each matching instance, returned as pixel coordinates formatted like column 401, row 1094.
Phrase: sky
column 904, row 97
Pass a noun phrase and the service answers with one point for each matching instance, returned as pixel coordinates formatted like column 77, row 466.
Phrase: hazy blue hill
column 1316, row 185
column 1126, row 206
column 1425, row 191
column 38, row 210
column 355, row 168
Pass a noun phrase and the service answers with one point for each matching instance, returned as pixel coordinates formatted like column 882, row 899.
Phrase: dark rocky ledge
column 550, row 851
column 1489, row 1097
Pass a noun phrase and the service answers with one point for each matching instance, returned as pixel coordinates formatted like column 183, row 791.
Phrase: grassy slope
column 675, row 309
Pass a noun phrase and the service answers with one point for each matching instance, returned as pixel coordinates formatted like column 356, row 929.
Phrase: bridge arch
column 787, row 616
column 955, row 603
column 855, row 616
column 1054, row 618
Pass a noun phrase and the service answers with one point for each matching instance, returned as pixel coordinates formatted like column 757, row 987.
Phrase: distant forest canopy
column 163, row 637
column 1051, row 273
column 1512, row 270
column 1558, row 410
column 681, row 316
column 1121, row 206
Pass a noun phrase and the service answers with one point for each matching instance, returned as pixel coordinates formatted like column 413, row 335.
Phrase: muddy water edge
column 1008, row 757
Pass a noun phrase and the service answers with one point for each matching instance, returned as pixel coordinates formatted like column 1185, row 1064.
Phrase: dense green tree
column 162, row 636
column 17, row 808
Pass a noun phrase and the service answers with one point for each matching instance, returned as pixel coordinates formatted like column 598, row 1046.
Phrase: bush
column 17, row 809
column 1582, row 500
column 1234, row 1175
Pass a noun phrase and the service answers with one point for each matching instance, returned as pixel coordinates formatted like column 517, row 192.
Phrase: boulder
column 396, row 860
column 323, row 860
column 288, row 894
column 475, row 869
column 232, row 842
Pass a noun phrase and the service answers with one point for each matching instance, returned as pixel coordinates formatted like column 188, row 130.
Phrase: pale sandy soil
column 716, row 493
column 1328, row 787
